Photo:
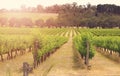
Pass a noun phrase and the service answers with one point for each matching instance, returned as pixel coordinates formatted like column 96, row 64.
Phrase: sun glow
column 16, row 4
column 10, row 4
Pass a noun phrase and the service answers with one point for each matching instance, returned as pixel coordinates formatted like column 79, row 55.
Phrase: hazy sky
column 9, row 4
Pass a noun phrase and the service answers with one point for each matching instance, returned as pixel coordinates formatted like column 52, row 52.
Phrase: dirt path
column 61, row 63
column 102, row 66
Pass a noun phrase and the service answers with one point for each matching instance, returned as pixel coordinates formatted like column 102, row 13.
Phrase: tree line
column 38, row 9
column 73, row 15
column 27, row 22
column 102, row 16
column 108, row 8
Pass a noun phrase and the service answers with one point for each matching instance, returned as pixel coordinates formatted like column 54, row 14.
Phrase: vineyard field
column 46, row 47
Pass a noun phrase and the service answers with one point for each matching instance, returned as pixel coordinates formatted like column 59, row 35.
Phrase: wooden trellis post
column 25, row 69
column 35, row 53
column 87, row 54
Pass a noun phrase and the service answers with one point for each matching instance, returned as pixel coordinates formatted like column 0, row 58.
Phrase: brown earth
column 13, row 67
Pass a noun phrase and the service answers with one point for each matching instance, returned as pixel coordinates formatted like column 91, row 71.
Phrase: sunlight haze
column 16, row 4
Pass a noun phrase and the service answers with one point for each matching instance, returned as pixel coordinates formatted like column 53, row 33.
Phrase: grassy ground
column 13, row 67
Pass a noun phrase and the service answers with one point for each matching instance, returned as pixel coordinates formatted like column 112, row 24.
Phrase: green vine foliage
column 80, row 43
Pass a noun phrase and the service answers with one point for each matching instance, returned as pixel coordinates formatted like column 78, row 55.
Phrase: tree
column 40, row 8
column 12, row 22
column 108, row 8
column 53, row 9
column 39, row 23
column 3, row 21
column 50, row 22
column 26, row 22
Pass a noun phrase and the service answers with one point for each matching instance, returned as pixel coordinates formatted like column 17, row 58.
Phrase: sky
column 16, row 4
